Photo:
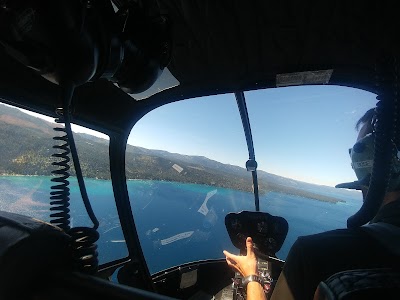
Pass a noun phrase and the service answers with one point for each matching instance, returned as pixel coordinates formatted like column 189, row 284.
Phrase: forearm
column 255, row 291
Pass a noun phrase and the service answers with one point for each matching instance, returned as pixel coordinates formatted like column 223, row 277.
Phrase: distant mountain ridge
column 27, row 141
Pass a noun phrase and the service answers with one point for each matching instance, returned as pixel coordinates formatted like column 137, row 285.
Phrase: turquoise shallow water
column 176, row 223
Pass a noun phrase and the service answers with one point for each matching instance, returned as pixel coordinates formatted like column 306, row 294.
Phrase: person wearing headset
column 316, row 257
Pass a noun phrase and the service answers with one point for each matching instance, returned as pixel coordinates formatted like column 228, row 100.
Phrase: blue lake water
column 176, row 223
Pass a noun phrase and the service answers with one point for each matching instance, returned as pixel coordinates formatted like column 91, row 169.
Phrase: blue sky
column 301, row 132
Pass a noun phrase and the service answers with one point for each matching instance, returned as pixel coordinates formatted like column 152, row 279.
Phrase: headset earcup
column 52, row 38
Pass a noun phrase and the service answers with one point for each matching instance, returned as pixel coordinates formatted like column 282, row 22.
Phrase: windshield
column 185, row 167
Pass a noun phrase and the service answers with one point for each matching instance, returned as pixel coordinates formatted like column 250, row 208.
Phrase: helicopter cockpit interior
column 94, row 205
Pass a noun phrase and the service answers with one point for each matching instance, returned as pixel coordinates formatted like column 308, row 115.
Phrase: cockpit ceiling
column 233, row 45
column 224, row 46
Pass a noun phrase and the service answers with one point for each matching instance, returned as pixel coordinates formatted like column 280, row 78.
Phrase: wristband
column 250, row 278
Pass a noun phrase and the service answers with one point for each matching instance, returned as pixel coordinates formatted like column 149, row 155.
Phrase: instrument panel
column 267, row 231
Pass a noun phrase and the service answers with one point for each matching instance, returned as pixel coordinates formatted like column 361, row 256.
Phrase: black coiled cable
column 59, row 196
column 83, row 239
column 84, row 249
